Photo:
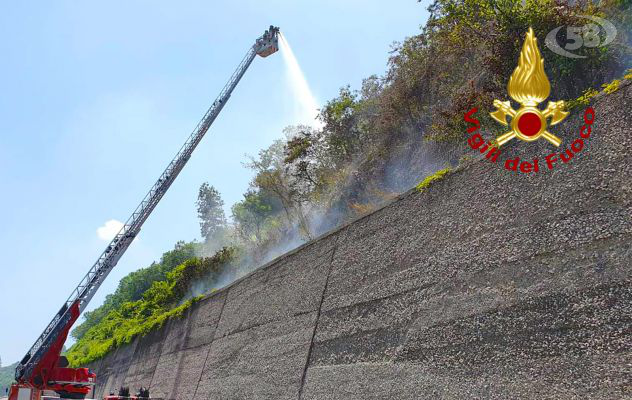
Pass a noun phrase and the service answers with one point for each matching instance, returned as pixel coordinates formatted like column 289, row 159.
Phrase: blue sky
column 95, row 99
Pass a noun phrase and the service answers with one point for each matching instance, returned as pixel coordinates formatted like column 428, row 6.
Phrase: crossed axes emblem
column 533, row 123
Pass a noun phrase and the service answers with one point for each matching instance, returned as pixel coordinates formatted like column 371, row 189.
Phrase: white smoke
column 400, row 172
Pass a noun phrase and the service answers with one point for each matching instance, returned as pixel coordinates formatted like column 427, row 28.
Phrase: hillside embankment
column 488, row 284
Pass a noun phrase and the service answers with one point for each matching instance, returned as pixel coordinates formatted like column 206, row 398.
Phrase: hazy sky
column 95, row 100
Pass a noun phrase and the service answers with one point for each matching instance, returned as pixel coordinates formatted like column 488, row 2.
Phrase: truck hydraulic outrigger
column 43, row 368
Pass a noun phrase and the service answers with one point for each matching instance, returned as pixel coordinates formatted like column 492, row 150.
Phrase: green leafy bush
column 132, row 286
column 430, row 179
column 611, row 87
column 583, row 100
column 163, row 300
column 7, row 377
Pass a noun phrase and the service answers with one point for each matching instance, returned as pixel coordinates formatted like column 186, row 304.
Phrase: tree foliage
column 7, row 377
column 133, row 286
column 252, row 217
column 211, row 213
column 164, row 299
column 468, row 49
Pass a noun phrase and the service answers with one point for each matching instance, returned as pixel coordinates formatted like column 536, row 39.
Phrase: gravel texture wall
column 490, row 284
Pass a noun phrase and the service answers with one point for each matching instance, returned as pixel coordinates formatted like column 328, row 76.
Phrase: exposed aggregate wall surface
column 490, row 284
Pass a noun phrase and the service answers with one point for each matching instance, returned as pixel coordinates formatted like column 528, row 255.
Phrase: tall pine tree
column 211, row 213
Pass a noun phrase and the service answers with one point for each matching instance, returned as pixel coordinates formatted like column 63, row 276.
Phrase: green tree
column 341, row 131
column 164, row 299
column 133, row 285
column 276, row 185
column 7, row 375
column 211, row 213
column 251, row 215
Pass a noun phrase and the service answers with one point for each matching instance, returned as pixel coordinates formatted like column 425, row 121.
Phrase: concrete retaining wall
column 491, row 284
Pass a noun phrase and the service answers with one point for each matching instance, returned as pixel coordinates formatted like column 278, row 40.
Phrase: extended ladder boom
column 83, row 293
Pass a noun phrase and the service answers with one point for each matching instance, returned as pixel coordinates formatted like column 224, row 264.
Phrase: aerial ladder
column 43, row 368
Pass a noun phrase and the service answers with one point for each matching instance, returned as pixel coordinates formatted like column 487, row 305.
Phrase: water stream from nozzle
column 306, row 106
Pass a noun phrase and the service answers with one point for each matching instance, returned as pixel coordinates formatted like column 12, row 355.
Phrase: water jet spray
column 306, row 106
